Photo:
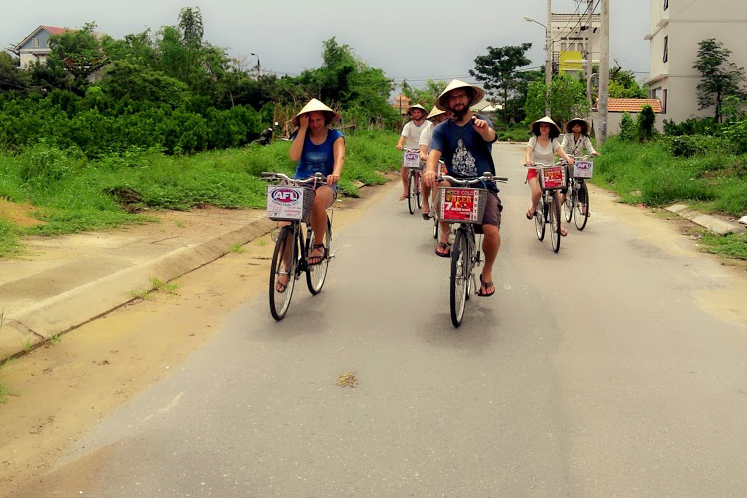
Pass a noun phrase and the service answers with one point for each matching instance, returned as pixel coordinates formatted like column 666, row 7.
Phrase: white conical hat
column 316, row 105
column 416, row 106
column 478, row 94
column 435, row 112
column 548, row 120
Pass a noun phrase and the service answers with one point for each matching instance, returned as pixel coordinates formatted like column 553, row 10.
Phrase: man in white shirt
column 409, row 139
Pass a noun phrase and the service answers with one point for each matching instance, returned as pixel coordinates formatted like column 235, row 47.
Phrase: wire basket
column 461, row 205
column 286, row 203
column 411, row 159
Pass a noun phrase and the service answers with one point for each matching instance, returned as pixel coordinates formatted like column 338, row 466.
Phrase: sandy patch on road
column 18, row 214
column 64, row 388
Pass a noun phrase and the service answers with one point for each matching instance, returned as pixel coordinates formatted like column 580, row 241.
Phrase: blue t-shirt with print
column 317, row 158
column 465, row 153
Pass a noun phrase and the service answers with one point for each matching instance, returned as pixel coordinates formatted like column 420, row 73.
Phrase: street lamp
column 255, row 55
column 548, row 63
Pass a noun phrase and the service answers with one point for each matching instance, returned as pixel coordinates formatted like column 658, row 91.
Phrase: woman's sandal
column 317, row 260
column 563, row 231
column 445, row 250
column 280, row 287
column 485, row 285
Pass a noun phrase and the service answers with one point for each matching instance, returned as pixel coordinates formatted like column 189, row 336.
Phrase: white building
column 35, row 47
column 677, row 26
column 576, row 39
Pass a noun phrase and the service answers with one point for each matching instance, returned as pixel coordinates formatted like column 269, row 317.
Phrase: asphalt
column 61, row 283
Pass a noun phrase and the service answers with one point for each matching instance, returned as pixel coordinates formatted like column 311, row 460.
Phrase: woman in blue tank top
column 318, row 148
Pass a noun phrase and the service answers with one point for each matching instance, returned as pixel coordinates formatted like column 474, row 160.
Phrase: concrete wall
column 615, row 118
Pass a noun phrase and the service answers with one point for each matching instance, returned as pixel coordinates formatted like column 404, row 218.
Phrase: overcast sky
column 434, row 39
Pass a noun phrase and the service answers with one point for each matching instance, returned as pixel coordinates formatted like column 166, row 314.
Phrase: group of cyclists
column 452, row 133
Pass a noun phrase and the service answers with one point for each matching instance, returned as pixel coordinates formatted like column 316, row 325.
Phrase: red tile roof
column 55, row 30
column 633, row 105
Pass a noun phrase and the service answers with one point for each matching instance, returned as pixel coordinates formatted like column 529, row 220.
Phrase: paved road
column 592, row 372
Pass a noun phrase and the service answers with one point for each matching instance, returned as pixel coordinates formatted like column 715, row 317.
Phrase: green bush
column 628, row 129
column 646, row 122
column 691, row 145
column 692, row 126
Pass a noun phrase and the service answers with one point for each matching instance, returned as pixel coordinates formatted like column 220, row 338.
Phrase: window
column 666, row 4
column 35, row 42
column 665, row 58
column 664, row 102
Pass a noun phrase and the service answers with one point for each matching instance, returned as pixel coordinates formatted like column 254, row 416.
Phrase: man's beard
column 459, row 114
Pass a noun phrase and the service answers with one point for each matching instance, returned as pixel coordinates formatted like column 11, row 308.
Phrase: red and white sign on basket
column 553, row 177
column 459, row 205
column 411, row 159
column 583, row 169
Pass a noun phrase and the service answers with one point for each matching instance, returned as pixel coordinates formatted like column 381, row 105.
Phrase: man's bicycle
column 464, row 206
column 577, row 198
column 434, row 192
column 552, row 178
column 411, row 161
column 290, row 202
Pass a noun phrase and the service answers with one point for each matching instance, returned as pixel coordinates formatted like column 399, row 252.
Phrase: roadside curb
column 34, row 325
column 712, row 223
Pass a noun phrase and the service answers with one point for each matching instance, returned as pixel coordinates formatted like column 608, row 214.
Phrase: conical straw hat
column 584, row 125
column 434, row 112
column 416, row 106
column 316, row 105
column 443, row 101
column 554, row 128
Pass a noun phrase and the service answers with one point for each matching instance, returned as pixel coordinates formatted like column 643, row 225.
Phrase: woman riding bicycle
column 576, row 140
column 542, row 148
column 318, row 148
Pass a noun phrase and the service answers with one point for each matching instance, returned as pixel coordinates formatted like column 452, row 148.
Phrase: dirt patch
column 19, row 214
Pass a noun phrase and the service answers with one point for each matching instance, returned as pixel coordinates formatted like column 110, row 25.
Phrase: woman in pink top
column 542, row 148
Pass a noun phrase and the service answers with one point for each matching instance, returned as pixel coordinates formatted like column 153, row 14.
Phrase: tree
column 719, row 77
column 497, row 70
column 623, row 85
column 424, row 96
column 567, row 99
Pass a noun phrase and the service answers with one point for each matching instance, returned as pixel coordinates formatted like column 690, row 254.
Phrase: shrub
column 628, row 131
column 691, row 145
column 692, row 126
column 646, row 121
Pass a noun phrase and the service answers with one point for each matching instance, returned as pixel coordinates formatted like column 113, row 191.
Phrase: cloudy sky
column 434, row 39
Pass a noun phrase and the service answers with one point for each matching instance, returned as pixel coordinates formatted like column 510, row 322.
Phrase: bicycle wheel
column 582, row 206
column 570, row 199
column 411, row 192
column 539, row 218
column 554, row 218
column 418, row 189
column 435, row 228
column 316, row 274
column 284, row 264
column 459, row 276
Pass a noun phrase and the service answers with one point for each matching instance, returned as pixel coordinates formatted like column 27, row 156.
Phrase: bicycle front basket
column 552, row 178
column 411, row 159
column 286, row 203
column 583, row 169
column 461, row 205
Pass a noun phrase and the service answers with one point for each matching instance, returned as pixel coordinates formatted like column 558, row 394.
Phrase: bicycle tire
column 280, row 301
column 539, row 219
column 435, row 227
column 554, row 216
column 458, row 278
column 317, row 274
column 582, row 215
column 418, row 189
column 411, row 192
column 570, row 198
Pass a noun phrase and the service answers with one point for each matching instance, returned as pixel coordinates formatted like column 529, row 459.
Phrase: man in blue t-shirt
column 464, row 143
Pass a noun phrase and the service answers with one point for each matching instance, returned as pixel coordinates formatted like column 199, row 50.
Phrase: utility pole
column 548, row 63
column 604, row 72
column 589, row 67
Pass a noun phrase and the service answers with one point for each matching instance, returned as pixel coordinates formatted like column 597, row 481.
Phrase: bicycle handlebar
column 486, row 177
column 545, row 166
column 317, row 179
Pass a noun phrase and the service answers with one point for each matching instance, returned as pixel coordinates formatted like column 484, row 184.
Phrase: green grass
column 156, row 285
column 73, row 194
column 237, row 248
column 730, row 245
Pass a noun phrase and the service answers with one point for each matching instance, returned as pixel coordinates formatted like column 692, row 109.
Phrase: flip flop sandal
column 281, row 287
column 446, row 254
column 320, row 258
column 485, row 285
column 563, row 232
column 426, row 216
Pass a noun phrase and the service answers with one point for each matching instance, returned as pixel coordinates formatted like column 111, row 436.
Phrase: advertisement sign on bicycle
column 460, row 204
column 411, row 159
column 553, row 177
column 285, row 202
column 583, row 169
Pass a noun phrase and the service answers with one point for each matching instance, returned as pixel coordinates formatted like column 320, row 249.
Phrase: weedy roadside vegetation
column 73, row 193
column 156, row 285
